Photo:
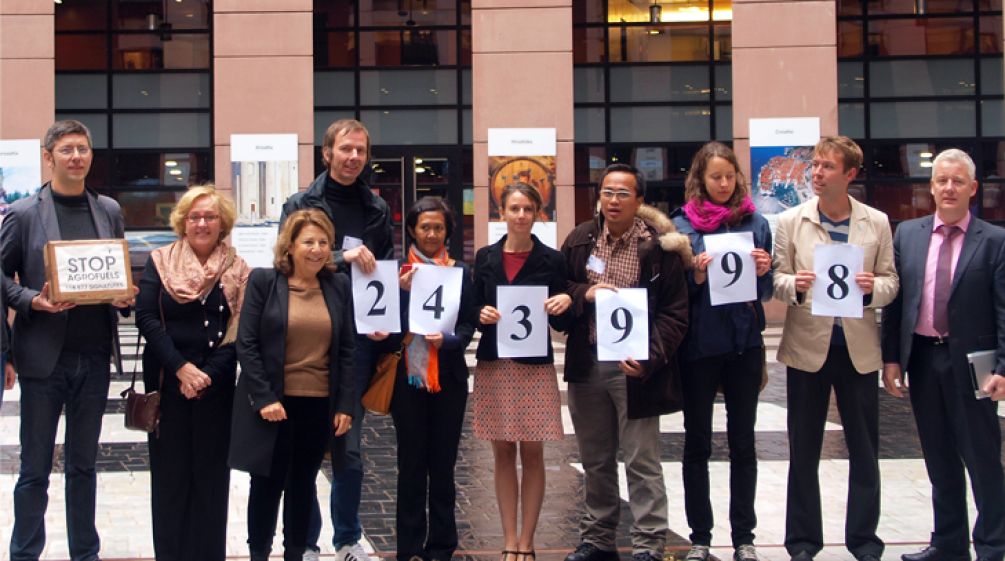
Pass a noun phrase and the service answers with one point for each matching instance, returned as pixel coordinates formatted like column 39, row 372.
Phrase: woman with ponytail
column 723, row 350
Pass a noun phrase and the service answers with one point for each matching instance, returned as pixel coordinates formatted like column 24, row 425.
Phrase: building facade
column 163, row 84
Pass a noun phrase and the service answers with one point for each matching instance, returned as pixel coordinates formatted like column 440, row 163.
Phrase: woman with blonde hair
column 294, row 399
column 187, row 309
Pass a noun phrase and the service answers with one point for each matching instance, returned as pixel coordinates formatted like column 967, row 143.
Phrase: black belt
column 931, row 341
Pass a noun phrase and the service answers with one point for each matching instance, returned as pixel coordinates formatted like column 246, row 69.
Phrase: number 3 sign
column 835, row 292
column 523, row 327
column 622, row 324
column 435, row 299
column 375, row 299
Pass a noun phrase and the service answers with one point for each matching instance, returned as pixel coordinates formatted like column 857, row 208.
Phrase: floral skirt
column 516, row 402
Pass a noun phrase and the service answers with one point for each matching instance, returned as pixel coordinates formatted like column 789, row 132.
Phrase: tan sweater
column 308, row 337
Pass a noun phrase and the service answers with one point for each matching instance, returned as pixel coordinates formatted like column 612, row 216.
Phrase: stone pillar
column 522, row 77
column 27, row 69
column 263, row 76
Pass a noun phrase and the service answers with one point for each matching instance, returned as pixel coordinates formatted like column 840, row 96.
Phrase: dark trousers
column 428, row 429
column 808, row 398
column 957, row 430
column 300, row 447
column 79, row 382
column 189, row 476
column 739, row 375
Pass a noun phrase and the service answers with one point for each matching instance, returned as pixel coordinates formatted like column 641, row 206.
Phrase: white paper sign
column 732, row 275
column 349, row 242
column 91, row 267
column 20, row 169
column 622, row 324
column 522, row 332
column 255, row 244
column 435, row 299
column 376, row 300
column 835, row 292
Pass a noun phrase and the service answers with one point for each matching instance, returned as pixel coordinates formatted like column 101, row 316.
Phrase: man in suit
column 9, row 374
column 824, row 352
column 63, row 357
column 952, row 302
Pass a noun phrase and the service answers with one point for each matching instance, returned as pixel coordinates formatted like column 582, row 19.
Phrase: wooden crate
column 88, row 271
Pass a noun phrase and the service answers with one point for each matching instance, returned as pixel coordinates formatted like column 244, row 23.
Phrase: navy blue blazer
column 976, row 301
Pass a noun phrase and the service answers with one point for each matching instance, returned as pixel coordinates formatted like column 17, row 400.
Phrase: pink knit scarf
column 707, row 216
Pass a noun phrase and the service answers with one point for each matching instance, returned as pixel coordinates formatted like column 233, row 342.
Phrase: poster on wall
column 523, row 156
column 264, row 174
column 20, row 170
column 781, row 154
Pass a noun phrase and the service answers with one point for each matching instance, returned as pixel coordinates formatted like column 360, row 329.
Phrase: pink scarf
column 707, row 216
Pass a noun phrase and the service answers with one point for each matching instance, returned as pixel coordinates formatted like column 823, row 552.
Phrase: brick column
column 27, row 69
column 522, row 77
column 263, row 76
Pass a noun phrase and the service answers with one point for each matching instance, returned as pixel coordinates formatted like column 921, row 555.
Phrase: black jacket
column 378, row 234
column 261, row 349
column 451, row 353
column 662, row 262
column 544, row 267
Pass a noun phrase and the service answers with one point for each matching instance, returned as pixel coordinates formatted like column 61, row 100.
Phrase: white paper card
column 835, row 292
column 732, row 275
column 435, row 299
column 522, row 332
column 622, row 324
column 376, row 299
column 349, row 242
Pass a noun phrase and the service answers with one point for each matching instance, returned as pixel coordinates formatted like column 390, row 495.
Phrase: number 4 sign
column 622, row 324
column 523, row 329
column 835, row 292
column 376, row 300
column 435, row 299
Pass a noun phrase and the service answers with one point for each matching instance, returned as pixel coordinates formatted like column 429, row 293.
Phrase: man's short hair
column 344, row 126
column 640, row 182
column 59, row 129
column 956, row 155
column 850, row 152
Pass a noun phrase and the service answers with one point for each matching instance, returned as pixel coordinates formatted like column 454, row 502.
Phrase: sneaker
column 645, row 556
column 311, row 554
column 697, row 552
column 354, row 552
column 745, row 552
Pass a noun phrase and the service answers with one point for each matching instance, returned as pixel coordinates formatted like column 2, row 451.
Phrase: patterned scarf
column 422, row 361
column 707, row 216
column 186, row 280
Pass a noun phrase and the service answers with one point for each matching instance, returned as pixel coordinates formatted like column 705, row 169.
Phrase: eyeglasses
column 69, row 150
column 609, row 194
column 197, row 218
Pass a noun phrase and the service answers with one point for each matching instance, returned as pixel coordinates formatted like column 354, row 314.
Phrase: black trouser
column 808, row 398
column 739, row 375
column 189, row 476
column 428, row 429
column 300, row 447
column 957, row 430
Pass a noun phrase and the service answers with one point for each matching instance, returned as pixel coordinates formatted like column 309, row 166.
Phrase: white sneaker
column 354, row 552
column 311, row 554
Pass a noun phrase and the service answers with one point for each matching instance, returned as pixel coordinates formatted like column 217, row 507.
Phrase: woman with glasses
column 187, row 309
column 722, row 351
column 516, row 401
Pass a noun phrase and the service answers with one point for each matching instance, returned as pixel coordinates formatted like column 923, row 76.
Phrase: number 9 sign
column 622, row 324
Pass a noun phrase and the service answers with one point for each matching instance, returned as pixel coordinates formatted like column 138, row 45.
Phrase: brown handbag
column 143, row 410
column 377, row 399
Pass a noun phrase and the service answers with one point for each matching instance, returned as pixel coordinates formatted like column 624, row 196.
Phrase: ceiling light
column 170, row 164
column 175, row 172
column 925, row 164
column 655, row 13
column 925, row 154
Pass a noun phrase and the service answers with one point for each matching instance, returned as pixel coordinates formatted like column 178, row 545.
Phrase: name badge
column 596, row 265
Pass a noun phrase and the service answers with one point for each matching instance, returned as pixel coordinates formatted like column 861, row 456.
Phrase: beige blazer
column 805, row 337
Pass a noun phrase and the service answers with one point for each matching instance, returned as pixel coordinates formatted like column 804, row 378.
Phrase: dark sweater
column 348, row 213
column 87, row 327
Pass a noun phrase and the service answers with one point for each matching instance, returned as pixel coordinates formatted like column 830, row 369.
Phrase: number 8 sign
column 835, row 292
column 434, row 299
column 622, row 324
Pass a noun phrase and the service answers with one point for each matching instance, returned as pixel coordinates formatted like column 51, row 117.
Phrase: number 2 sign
column 376, row 299
column 835, row 292
column 434, row 299
column 622, row 324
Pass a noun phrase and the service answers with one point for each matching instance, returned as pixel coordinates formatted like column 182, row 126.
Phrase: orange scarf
column 422, row 361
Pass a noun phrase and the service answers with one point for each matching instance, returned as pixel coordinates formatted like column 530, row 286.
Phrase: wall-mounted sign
column 88, row 271
column 523, row 156
column 781, row 152
column 264, row 173
column 20, row 170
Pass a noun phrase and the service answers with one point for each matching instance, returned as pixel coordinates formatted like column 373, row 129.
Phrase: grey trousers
column 599, row 411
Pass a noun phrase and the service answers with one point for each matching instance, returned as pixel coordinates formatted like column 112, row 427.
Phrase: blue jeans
column 347, row 478
column 80, row 383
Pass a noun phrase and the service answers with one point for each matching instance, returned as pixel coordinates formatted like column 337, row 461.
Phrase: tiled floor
column 124, row 519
